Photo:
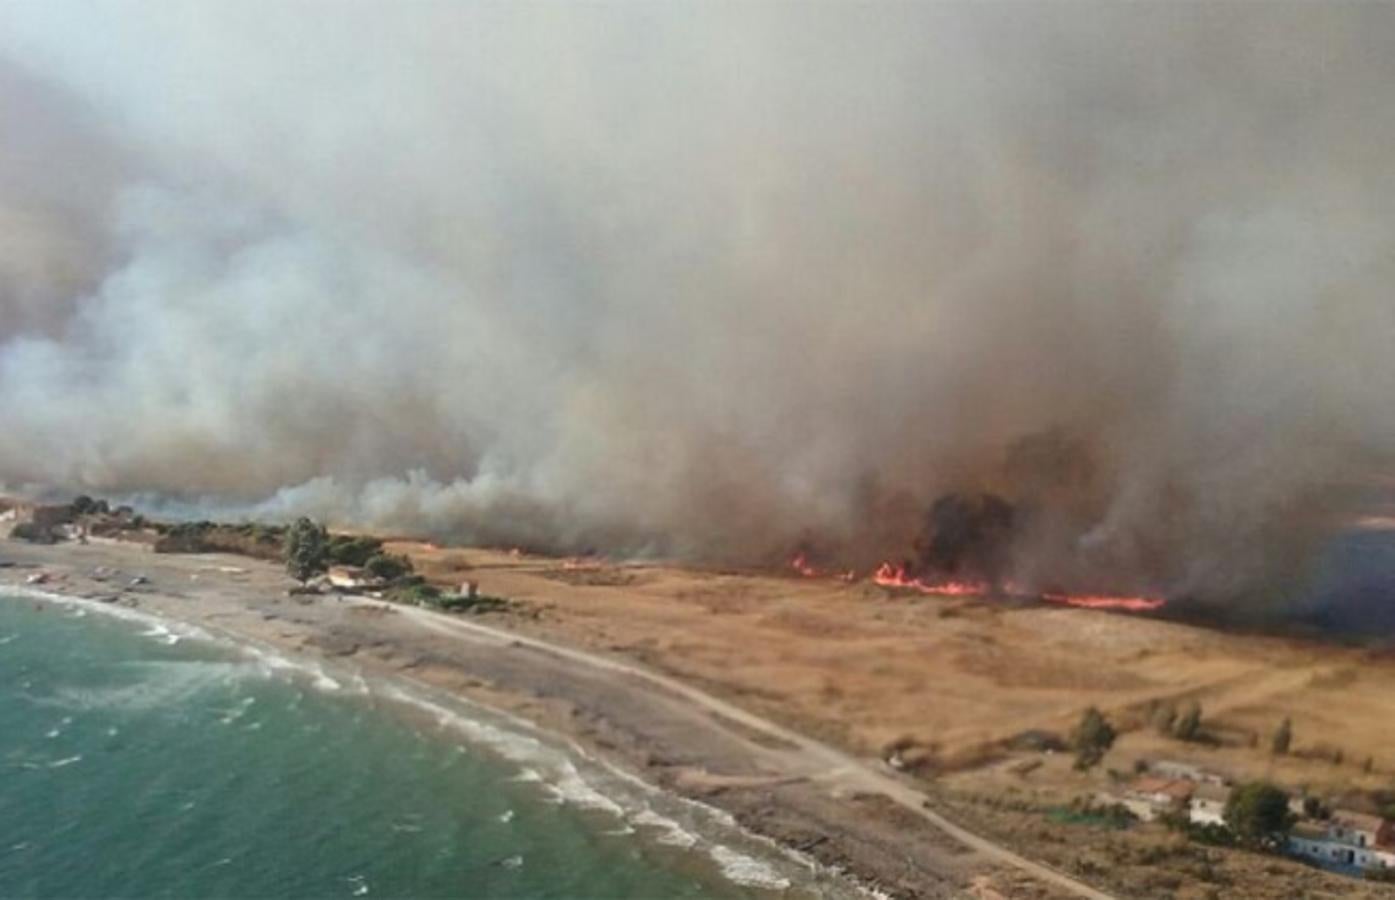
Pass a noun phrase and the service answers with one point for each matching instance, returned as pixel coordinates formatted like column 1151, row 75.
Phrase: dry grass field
column 867, row 666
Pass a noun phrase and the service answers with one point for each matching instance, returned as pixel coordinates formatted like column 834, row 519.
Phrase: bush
column 461, row 603
column 1314, row 808
column 84, row 505
column 349, row 550
column 1188, row 725
column 388, row 566
column 1164, row 717
column 416, row 594
column 1209, row 833
column 1092, row 738
column 28, row 531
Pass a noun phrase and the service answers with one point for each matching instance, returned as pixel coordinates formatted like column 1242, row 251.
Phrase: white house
column 1208, row 804
column 1348, row 839
column 1147, row 797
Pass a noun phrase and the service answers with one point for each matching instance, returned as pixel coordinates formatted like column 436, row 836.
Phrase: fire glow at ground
column 890, row 575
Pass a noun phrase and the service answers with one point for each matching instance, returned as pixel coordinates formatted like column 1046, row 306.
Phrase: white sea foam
column 112, row 610
column 506, row 816
column 65, row 761
column 670, row 832
column 748, row 870
column 161, row 633
column 165, row 683
column 273, row 663
column 570, row 787
column 7, row 638
column 238, row 711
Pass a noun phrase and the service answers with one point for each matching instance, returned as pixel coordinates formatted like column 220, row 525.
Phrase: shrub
column 1188, row 725
column 388, row 566
column 28, row 531
column 416, row 594
column 350, row 550
column 1092, row 738
column 1164, row 717
column 1314, row 808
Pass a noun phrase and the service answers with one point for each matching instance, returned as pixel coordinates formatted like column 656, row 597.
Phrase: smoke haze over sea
column 708, row 280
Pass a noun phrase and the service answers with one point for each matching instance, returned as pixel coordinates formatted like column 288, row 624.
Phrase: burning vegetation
column 968, row 544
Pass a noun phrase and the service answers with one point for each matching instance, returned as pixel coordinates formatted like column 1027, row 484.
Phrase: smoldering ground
column 708, row 279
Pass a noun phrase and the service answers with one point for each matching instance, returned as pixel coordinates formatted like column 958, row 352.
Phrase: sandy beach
column 854, row 814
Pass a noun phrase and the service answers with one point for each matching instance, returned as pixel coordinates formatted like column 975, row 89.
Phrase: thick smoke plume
column 709, row 280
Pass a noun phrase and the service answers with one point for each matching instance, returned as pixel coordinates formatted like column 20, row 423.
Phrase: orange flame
column 801, row 565
column 889, row 575
column 892, row 575
column 1098, row 601
column 805, row 569
column 896, row 576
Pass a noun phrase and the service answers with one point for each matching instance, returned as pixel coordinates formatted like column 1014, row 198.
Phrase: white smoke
column 703, row 279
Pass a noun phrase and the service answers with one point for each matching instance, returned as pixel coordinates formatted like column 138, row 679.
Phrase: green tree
column 1283, row 737
column 306, row 549
column 1188, row 726
column 1257, row 812
column 1092, row 738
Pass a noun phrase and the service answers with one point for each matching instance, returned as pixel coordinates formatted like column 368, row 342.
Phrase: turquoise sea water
column 139, row 764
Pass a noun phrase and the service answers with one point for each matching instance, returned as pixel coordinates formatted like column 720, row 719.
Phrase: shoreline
column 801, row 796
column 571, row 772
